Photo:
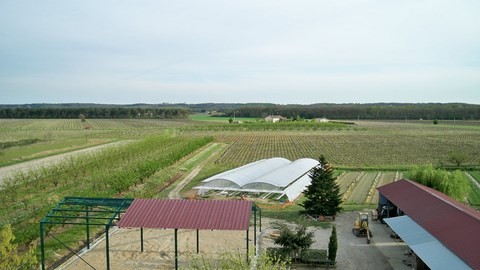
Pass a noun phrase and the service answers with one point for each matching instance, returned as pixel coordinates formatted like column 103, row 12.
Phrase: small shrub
column 294, row 241
column 310, row 255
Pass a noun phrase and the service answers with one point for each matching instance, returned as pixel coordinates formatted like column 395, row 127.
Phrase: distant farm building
column 275, row 118
column 274, row 177
column 322, row 120
column 442, row 233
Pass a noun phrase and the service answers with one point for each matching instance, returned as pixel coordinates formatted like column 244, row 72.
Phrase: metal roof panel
column 455, row 225
column 188, row 214
column 432, row 251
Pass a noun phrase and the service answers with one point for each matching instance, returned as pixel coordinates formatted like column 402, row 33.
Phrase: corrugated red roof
column 188, row 214
column 456, row 225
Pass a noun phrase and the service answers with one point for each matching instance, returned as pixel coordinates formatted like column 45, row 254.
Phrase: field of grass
column 376, row 145
column 476, row 175
column 56, row 136
column 205, row 117
column 353, row 149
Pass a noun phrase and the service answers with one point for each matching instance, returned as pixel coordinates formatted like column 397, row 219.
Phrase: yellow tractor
column 360, row 226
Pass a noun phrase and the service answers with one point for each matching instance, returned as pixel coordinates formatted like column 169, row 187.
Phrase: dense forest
column 389, row 111
column 94, row 112
column 394, row 111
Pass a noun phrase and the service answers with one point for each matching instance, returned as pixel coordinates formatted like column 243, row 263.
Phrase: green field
column 377, row 148
column 370, row 154
column 377, row 145
column 205, row 117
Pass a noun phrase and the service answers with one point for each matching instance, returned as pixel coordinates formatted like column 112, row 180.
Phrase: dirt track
column 47, row 161
column 175, row 193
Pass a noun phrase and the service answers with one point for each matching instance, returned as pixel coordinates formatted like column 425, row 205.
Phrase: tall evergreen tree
column 323, row 194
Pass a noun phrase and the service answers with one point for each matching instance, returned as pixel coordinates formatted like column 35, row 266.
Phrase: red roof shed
column 188, row 214
column 455, row 225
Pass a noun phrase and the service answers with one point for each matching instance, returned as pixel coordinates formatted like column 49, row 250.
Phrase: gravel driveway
column 382, row 253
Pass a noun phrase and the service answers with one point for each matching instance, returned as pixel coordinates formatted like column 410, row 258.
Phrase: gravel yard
column 382, row 253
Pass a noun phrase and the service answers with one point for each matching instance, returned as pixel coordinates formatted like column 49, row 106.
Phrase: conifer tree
column 333, row 245
column 323, row 194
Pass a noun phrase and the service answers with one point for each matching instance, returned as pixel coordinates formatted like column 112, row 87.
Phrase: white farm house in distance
column 275, row 118
column 278, row 177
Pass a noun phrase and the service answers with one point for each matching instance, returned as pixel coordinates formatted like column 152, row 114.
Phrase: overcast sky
column 296, row 51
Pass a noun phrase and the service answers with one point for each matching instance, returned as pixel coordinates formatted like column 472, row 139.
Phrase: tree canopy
column 10, row 258
column 94, row 112
column 293, row 242
column 322, row 196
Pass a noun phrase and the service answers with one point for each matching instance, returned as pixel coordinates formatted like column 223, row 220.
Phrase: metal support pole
column 247, row 245
column 42, row 245
column 176, row 251
column 198, row 241
column 88, row 228
column 141, row 239
column 107, row 247
column 255, row 227
column 260, row 212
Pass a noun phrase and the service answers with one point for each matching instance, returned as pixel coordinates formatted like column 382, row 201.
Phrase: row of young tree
column 388, row 111
column 95, row 112
column 323, row 198
column 452, row 183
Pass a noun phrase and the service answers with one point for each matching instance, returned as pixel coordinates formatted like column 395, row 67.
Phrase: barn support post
column 107, row 249
column 42, row 245
column 88, row 227
column 198, row 243
column 141, row 239
column 388, row 208
column 247, row 245
column 176, row 250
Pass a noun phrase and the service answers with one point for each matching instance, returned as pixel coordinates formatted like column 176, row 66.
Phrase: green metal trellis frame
column 87, row 212
column 103, row 212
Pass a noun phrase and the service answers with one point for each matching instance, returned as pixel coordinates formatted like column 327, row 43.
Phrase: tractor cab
column 360, row 226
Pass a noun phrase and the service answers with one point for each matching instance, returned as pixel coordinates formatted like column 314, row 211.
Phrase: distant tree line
column 394, row 111
column 388, row 111
column 94, row 112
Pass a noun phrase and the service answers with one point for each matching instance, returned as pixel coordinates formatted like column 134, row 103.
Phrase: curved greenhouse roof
column 241, row 176
column 274, row 175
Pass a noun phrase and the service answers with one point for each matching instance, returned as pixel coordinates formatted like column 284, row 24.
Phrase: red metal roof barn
column 455, row 225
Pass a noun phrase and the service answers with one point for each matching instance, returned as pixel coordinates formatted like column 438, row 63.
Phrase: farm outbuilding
column 275, row 118
column 274, row 176
column 442, row 233
column 229, row 215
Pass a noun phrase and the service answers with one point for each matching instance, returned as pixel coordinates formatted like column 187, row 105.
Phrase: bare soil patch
column 383, row 252
column 159, row 251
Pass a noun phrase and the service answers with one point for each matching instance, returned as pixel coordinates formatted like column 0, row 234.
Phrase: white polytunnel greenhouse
column 274, row 176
